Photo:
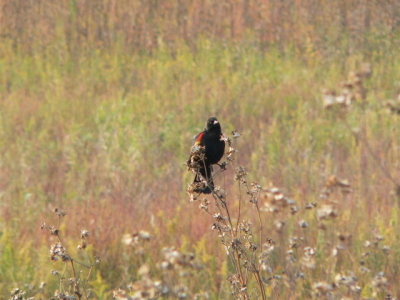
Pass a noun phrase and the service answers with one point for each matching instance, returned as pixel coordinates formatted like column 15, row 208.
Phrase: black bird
column 211, row 140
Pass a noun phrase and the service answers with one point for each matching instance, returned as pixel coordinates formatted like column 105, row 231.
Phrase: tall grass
column 97, row 118
column 147, row 25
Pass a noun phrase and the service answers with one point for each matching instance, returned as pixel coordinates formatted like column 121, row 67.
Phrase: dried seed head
column 380, row 281
column 181, row 292
column 84, row 234
column 251, row 246
column 219, row 192
column 231, row 152
column 331, row 100
column 294, row 242
column 308, row 260
column 386, row 249
column 64, row 296
column 219, row 217
column 323, row 287
column 17, row 294
column 82, row 245
column 175, row 259
column 59, row 212
column 196, row 158
column 268, row 246
column 275, row 201
column 308, row 251
column 364, row 270
column 240, row 174
column 245, row 226
column 236, row 244
column 144, row 235
column 334, row 182
column 127, row 239
column 344, row 237
column 58, row 251
column 235, row 134
column 311, row 205
column 378, row 238
column 53, row 231
column 303, row 224
column 144, row 271
column 326, row 211
column 347, row 280
column 204, row 204
column 137, row 239
column 42, row 285
column 337, row 249
column 294, row 209
column 279, row 224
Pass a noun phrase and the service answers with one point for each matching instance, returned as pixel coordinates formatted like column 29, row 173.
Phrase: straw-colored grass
column 97, row 118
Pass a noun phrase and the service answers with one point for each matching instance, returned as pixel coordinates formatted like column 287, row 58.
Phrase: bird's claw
column 222, row 165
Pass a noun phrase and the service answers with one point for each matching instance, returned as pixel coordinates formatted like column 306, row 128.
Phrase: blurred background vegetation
column 100, row 99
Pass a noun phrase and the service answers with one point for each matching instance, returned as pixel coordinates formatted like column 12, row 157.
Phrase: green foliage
column 100, row 287
column 105, row 135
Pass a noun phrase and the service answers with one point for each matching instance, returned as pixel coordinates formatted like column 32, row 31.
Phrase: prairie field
column 99, row 104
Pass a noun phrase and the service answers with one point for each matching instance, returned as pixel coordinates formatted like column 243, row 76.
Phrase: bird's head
column 213, row 124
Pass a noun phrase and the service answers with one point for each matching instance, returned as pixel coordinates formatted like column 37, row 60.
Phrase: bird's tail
column 205, row 174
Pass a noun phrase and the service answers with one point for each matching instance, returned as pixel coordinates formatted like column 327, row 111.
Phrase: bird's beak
column 215, row 122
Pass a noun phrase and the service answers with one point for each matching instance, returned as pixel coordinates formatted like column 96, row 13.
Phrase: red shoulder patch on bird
column 199, row 138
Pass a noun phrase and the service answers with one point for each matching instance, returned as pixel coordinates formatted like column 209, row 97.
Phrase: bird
column 211, row 138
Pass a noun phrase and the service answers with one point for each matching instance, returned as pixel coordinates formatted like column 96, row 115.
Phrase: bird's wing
column 199, row 138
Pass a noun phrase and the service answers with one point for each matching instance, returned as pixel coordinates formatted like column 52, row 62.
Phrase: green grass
column 105, row 135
